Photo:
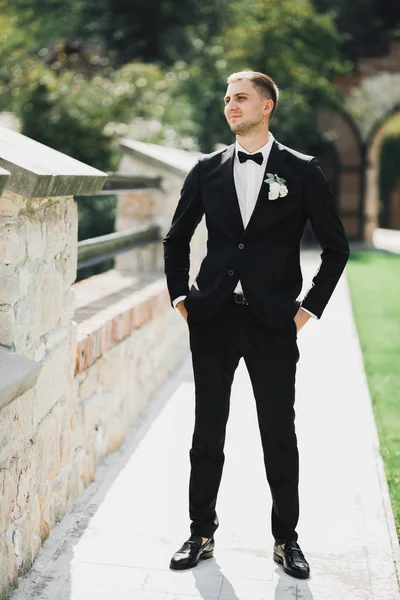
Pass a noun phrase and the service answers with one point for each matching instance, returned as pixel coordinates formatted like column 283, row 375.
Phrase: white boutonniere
column 277, row 187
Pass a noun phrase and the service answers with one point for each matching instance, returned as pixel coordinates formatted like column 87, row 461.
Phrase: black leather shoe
column 191, row 552
column 292, row 559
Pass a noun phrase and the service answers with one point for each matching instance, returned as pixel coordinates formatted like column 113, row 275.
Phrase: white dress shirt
column 248, row 178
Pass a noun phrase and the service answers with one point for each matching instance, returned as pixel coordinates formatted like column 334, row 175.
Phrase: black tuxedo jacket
column 265, row 254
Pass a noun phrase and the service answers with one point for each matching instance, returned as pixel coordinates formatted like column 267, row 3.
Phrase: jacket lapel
column 228, row 185
column 274, row 165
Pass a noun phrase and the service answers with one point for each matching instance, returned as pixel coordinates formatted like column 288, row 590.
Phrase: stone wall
column 125, row 351
column 38, row 478
column 39, row 465
column 98, row 348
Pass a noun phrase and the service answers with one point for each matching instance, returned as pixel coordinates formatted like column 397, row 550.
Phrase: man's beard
column 244, row 127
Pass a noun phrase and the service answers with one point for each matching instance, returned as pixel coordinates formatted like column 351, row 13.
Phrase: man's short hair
column 265, row 84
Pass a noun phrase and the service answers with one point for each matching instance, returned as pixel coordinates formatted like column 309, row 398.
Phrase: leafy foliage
column 364, row 24
column 81, row 75
column 181, row 105
column 135, row 30
column 287, row 40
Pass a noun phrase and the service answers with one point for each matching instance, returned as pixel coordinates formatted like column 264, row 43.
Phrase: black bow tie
column 258, row 158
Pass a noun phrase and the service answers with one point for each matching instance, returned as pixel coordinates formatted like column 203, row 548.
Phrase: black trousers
column 270, row 356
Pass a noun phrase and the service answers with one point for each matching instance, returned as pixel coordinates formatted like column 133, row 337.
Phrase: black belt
column 238, row 298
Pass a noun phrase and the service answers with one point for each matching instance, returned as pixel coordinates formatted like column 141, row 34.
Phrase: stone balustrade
column 173, row 165
column 38, row 247
column 78, row 361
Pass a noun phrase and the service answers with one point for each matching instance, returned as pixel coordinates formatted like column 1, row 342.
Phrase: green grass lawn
column 374, row 279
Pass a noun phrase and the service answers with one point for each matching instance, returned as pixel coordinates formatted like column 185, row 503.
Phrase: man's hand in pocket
column 301, row 318
column 181, row 307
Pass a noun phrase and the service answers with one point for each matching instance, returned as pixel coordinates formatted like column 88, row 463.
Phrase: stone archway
column 337, row 128
column 372, row 196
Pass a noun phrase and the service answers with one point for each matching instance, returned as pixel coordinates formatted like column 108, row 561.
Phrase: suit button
column 230, row 272
column 241, row 246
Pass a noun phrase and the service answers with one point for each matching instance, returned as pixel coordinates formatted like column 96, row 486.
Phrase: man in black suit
column 256, row 196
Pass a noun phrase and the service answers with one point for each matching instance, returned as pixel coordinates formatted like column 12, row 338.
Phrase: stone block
column 68, row 307
column 7, row 325
column 47, row 440
column 84, row 465
column 50, row 500
column 55, row 337
column 10, row 288
column 8, row 489
column 75, row 485
column 37, row 353
column 115, row 435
column 68, row 261
column 67, row 438
column 55, row 499
column 10, row 204
column 92, row 416
column 28, row 473
column 6, row 434
column 24, row 277
column 52, row 383
column 21, row 535
column 68, row 257
column 24, row 339
column 22, row 419
column 107, row 373
column 33, row 516
column 31, row 228
column 8, row 567
column 89, row 383
column 43, row 303
column 55, row 228
column 12, row 243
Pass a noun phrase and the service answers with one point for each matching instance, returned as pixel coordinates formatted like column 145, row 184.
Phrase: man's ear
column 268, row 106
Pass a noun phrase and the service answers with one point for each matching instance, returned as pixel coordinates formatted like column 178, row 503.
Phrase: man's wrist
column 309, row 312
column 177, row 300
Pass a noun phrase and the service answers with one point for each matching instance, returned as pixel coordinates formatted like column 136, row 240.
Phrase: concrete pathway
column 117, row 543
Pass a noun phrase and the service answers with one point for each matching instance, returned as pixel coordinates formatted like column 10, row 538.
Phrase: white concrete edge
column 18, row 375
column 149, row 154
column 386, row 239
column 37, row 170
column 380, row 468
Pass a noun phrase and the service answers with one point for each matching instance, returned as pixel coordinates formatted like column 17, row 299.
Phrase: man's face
column 245, row 108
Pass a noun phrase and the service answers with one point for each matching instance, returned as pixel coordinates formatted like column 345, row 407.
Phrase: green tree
column 147, row 31
column 289, row 41
column 364, row 24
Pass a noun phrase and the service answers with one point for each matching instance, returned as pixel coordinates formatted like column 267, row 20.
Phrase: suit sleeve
column 328, row 228
column 187, row 216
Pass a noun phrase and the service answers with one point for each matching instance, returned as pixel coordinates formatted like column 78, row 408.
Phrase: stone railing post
column 38, row 259
column 172, row 166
